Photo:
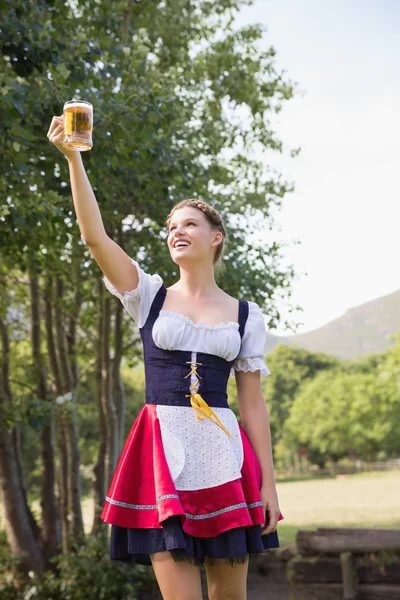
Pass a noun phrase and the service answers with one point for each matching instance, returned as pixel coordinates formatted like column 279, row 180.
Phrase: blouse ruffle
column 250, row 364
column 129, row 295
column 253, row 349
column 137, row 302
column 201, row 325
column 251, row 357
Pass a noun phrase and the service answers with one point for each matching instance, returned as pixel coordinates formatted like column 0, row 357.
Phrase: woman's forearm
column 85, row 203
column 256, row 424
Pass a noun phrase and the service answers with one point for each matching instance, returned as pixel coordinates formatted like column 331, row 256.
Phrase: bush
column 11, row 582
column 86, row 574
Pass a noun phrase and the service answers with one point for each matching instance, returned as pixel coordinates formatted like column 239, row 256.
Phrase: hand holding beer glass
column 73, row 130
column 78, row 125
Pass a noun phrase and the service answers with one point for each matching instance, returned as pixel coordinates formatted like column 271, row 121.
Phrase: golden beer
column 78, row 125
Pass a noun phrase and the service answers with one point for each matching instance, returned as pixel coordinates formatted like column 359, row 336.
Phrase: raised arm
column 112, row 260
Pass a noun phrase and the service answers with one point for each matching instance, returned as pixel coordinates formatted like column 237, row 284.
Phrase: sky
column 345, row 211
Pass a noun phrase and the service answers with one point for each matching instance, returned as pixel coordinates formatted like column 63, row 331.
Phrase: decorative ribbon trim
column 199, row 404
column 187, row 515
column 141, row 506
column 223, row 510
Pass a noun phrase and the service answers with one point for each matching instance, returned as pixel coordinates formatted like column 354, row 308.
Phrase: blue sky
column 345, row 210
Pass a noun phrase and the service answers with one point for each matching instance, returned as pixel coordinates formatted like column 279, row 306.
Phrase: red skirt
column 142, row 493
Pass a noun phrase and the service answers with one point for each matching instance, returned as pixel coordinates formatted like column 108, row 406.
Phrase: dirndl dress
column 188, row 479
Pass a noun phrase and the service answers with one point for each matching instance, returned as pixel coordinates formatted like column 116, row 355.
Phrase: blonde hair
column 212, row 216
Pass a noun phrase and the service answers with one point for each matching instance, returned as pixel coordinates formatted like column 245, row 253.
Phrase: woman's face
column 190, row 225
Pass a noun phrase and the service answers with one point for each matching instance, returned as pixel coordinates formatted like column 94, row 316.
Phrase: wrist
column 73, row 157
column 268, row 480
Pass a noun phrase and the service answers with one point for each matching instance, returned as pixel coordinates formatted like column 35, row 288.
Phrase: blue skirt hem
column 235, row 545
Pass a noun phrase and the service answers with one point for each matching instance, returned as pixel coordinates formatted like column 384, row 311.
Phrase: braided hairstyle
column 213, row 217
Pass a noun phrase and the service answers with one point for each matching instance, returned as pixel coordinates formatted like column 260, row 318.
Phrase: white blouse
column 190, row 445
column 174, row 331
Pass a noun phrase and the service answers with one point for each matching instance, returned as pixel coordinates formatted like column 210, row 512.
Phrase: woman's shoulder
column 229, row 303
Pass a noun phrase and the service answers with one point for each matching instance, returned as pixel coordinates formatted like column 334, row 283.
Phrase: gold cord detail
column 199, row 404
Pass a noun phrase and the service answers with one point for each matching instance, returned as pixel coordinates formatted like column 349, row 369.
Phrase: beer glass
column 78, row 125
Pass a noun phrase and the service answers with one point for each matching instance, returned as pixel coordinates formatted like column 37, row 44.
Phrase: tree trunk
column 21, row 528
column 16, row 438
column 69, row 457
column 99, row 484
column 73, row 322
column 51, row 535
column 62, row 480
column 107, row 401
column 17, row 449
column 74, row 480
column 65, row 365
column 118, row 392
column 126, row 23
column 50, row 328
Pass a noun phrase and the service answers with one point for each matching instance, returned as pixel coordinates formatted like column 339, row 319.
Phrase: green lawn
column 362, row 500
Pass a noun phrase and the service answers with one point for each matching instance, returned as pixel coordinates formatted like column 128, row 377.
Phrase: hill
column 361, row 330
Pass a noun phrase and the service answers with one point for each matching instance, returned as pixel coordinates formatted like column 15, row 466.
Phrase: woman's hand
column 269, row 498
column 56, row 136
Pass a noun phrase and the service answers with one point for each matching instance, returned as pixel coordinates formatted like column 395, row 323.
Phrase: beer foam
column 77, row 104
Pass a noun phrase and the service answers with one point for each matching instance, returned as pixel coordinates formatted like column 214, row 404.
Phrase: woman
column 192, row 485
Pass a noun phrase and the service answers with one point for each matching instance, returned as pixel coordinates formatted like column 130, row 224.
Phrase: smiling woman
column 203, row 494
column 191, row 486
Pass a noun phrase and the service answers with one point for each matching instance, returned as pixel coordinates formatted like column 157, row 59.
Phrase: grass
column 360, row 500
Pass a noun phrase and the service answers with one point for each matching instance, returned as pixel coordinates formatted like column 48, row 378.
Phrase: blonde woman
column 193, row 486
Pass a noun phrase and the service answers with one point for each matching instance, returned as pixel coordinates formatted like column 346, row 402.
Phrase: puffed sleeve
column 253, row 349
column 138, row 301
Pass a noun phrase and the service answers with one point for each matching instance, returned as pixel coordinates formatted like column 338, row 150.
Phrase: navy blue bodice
column 167, row 372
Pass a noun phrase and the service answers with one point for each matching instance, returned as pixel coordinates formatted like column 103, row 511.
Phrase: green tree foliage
column 291, row 368
column 340, row 414
column 167, row 81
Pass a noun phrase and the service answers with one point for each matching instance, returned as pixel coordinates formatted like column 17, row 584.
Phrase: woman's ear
column 216, row 237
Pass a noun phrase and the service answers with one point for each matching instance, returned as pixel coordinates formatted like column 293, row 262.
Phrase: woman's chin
column 179, row 260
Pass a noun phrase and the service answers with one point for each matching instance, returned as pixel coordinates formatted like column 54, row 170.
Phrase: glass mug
column 78, row 125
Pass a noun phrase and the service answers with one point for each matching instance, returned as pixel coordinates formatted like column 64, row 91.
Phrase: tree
column 291, row 368
column 166, row 81
column 339, row 414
